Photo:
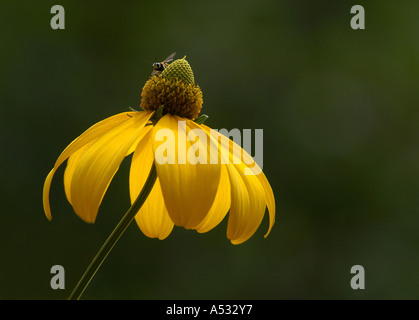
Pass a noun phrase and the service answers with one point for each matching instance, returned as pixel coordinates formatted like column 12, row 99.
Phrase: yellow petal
column 96, row 168
column 220, row 206
column 69, row 170
column 269, row 199
column 242, row 157
column 141, row 162
column 189, row 189
column 140, row 137
column 247, row 204
column 45, row 194
column 152, row 218
column 91, row 134
column 268, row 193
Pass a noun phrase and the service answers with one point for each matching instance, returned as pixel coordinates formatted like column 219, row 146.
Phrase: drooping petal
column 96, row 168
column 253, row 167
column 220, row 206
column 45, row 194
column 247, row 204
column 152, row 218
column 69, row 170
column 188, row 188
column 237, row 155
column 269, row 199
column 146, row 129
column 141, row 162
column 91, row 134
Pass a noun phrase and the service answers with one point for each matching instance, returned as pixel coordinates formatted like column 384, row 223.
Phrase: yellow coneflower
column 191, row 194
column 194, row 196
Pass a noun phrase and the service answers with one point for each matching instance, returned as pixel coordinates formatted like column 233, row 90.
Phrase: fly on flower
column 187, row 194
column 160, row 66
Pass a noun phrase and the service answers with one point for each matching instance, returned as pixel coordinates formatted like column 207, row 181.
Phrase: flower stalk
column 114, row 236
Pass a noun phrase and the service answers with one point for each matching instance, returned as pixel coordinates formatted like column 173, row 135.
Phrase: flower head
column 195, row 187
column 177, row 92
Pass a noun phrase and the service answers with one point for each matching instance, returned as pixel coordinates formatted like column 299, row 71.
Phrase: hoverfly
column 160, row 66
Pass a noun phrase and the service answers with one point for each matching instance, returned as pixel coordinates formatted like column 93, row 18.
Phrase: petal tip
column 237, row 241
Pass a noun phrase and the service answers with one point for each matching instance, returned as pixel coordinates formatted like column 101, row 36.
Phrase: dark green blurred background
column 339, row 110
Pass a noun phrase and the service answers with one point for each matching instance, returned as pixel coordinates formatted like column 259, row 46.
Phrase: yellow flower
column 191, row 194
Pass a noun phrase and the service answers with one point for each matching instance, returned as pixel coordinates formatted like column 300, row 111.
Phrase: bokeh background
column 339, row 110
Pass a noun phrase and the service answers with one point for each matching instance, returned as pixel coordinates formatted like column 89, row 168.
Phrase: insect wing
column 169, row 58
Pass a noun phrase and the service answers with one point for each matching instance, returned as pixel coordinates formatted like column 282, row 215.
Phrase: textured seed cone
column 179, row 69
column 175, row 89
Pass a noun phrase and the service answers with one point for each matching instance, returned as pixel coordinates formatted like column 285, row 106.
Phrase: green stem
column 114, row 236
